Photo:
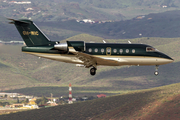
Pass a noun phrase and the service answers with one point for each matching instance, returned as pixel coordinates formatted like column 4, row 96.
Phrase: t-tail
column 30, row 33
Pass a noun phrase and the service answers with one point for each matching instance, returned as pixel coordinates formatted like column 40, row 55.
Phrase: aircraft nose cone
column 169, row 59
column 172, row 60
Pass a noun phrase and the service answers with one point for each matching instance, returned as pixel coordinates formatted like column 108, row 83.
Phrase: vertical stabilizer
column 30, row 33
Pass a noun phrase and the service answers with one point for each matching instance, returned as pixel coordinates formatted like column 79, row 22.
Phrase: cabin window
column 127, row 50
column 108, row 50
column 115, row 50
column 90, row 50
column 150, row 49
column 121, row 51
column 133, row 51
column 96, row 50
column 102, row 50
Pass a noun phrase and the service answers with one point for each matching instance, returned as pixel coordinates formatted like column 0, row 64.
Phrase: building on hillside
column 32, row 101
column 140, row 17
column 31, row 105
column 88, row 21
column 25, row 96
column 164, row 6
column 52, row 103
column 28, row 9
column 101, row 95
column 84, row 98
column 23, row 2
column 16, row 105
column 13, row 42
column 74, row 99
column 9, row 94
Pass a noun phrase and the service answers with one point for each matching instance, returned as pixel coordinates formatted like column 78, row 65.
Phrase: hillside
column 154, row 104
column 50, row 15
column 79, row 9
column 165, row 25
column 20, row 70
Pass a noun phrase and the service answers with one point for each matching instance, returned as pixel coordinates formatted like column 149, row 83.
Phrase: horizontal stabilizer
column 13, row 21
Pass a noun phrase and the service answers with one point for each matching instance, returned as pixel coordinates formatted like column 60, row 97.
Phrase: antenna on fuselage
column 129, row 42
column 104, row 41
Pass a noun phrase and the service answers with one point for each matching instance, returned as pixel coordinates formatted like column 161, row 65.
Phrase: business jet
column 89, row 55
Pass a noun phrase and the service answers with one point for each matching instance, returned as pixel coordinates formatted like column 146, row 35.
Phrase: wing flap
column 90, row 60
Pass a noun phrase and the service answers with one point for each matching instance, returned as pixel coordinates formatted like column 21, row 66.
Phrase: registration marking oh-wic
column 30, row 33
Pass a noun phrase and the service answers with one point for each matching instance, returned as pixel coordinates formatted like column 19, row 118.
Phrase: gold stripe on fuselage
column 118, row 60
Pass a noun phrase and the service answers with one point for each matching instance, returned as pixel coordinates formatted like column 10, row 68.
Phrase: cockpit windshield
column 151, row 49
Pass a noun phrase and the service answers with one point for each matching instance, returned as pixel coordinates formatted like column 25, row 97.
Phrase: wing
column 91, row 60
column 88, row 60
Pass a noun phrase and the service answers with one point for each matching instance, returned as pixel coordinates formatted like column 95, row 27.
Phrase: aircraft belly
column 58, row 57
column 134, row 61
column 148, row 61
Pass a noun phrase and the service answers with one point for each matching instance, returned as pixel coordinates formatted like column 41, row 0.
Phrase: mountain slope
column 153, row 25
column 157, row 103
column 165, row 25
column 79, row 9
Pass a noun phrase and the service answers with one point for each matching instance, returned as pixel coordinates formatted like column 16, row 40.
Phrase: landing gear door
column 108, row 51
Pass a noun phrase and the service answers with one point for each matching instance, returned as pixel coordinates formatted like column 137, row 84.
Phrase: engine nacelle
column 61, row 46
column 76, row 45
